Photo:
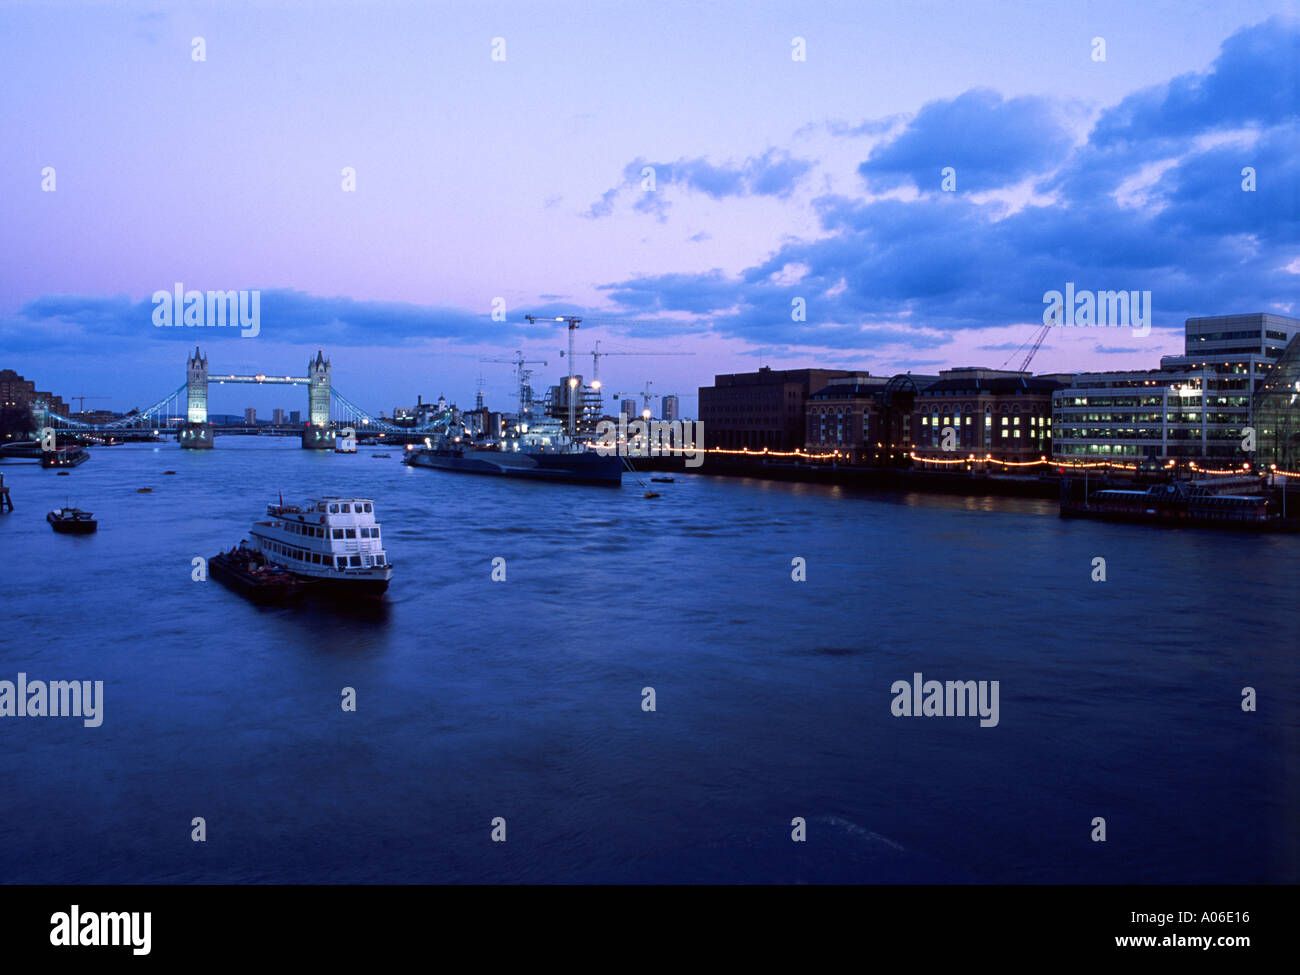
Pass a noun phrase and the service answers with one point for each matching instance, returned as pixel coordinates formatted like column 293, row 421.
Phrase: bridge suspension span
column 185, row 409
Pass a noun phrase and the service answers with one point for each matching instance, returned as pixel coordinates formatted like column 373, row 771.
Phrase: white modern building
column 1195, row 406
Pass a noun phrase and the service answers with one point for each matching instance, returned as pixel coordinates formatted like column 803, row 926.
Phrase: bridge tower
column 317, row 434
column 195, row 433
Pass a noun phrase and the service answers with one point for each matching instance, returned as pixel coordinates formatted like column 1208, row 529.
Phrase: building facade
column 1198, row 405
column 989, row 413
column 19, row 393
column 671, row 407
column 867, row 419
column 767, row 408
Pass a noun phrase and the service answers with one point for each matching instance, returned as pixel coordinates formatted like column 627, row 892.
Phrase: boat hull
column 64, row 457
column 1175, row 519
column 585, row 468
column 73, row 527
column 230, row 573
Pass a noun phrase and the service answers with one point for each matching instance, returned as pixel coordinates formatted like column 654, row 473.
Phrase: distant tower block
column 194, row 433
column 317, row 434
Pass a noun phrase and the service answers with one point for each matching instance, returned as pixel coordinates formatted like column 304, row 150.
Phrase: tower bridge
column 328, row 410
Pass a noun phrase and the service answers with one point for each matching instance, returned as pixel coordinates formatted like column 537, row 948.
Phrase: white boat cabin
column 329, row 535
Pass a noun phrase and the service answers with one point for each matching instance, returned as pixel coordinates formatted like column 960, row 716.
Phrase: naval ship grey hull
column 588, row 467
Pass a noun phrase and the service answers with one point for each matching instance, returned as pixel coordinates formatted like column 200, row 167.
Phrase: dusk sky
column 520, row 179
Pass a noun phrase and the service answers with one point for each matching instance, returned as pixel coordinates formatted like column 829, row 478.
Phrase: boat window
column 367, row 507
column 374, row 532
column 347, row 509
column 351, row 533
column 340, row 562
column 334, row 509
column 338, row 532
column 379, row 559
column 356, row 560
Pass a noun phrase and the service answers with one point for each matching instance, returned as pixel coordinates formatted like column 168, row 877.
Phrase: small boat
column 144, row 490
column 248, row 572
column 72, row 521
column 169, row 472
column 652, row 494
column 64, row 457
column 664, row 480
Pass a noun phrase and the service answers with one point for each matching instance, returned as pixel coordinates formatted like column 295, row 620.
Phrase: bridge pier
column 195, row 436
column 317, row 438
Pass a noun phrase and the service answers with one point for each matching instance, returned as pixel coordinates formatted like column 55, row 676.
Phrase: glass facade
column 1277, row 413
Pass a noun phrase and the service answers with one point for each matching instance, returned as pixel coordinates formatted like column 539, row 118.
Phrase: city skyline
column 1115, row 174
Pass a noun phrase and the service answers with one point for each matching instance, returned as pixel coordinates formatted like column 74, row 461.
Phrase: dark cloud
column 775, row 173
column 87, row 324
column 989, row 141
column 1198, row 242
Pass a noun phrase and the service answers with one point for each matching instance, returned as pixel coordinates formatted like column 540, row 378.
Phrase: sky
column 500, row 154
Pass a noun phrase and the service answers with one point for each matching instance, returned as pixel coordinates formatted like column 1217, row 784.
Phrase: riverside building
column 761, row 409
column 993, row 414
column 1196, row 406
column 868, row 419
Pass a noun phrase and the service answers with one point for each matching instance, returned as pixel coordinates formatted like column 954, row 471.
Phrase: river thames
column 523, row 699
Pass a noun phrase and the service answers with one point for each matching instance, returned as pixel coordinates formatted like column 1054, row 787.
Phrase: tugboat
column 331, row 544
column 72, row 521
column 247, row 572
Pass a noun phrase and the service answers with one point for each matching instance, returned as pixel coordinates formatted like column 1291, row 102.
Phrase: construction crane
column 646, row 397
column 596, row 355
column 519, row 362
column 1038, row 341
column 83, row 400
column 573, row 321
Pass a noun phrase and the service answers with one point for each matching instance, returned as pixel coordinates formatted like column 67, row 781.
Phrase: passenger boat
column 72, row 521
column 332, row 544
column 1178, row 504
column 247, row 572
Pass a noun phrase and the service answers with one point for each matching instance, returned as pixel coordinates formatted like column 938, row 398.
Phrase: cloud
column 87, row 324
column 776, row 173
column 990, row 141
column 914, row 271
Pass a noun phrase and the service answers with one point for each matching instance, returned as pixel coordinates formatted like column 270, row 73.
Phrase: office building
column 1198, row 405
column 767, row 408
